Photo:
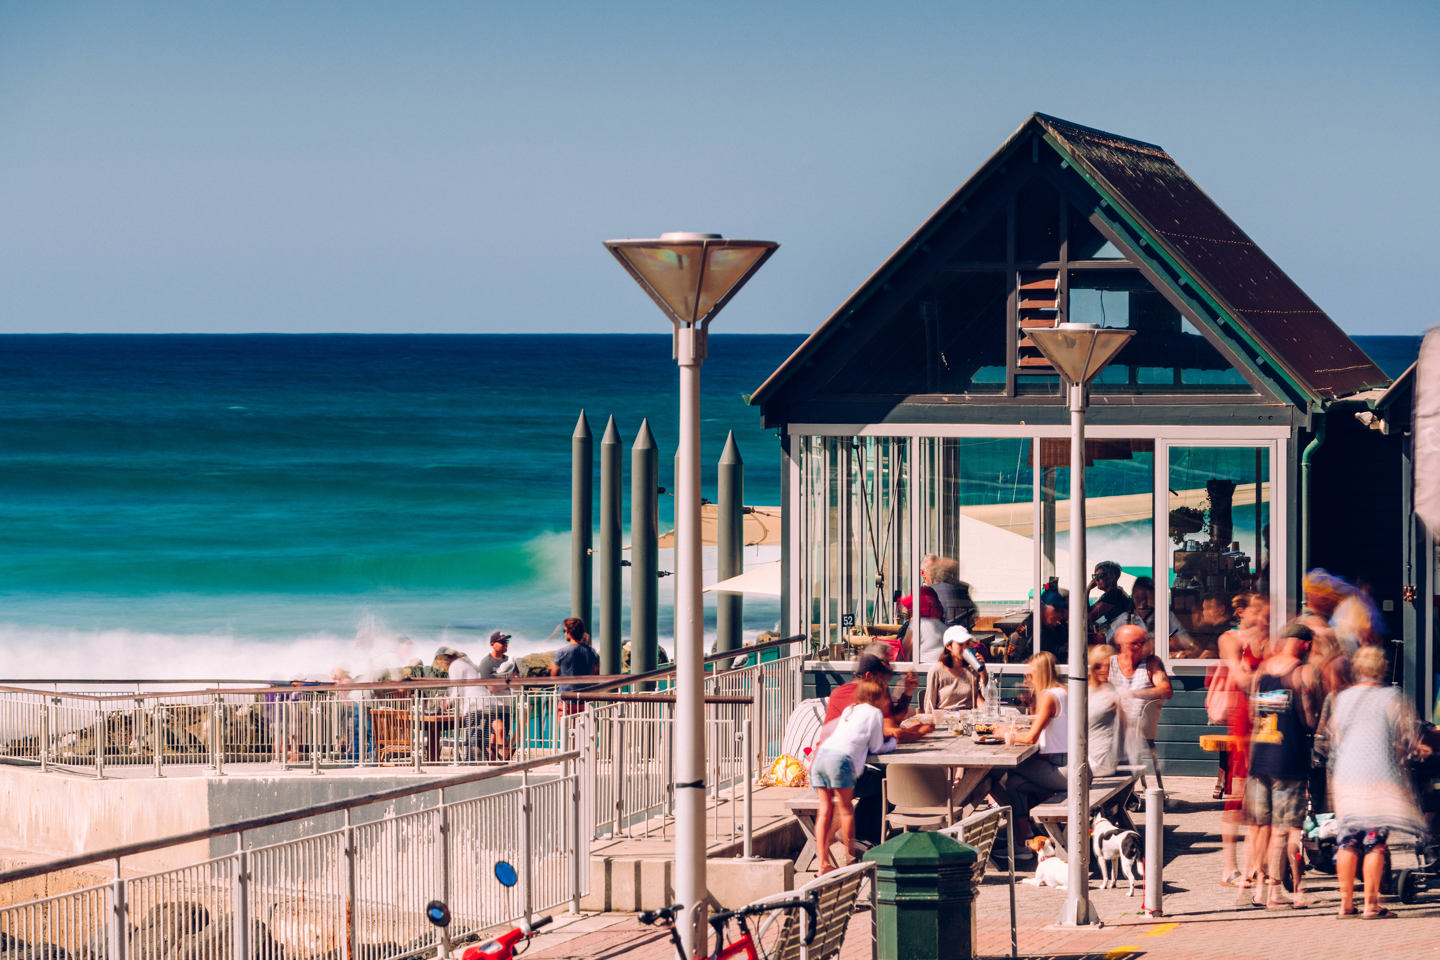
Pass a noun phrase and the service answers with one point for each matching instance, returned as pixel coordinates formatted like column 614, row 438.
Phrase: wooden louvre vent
column 1039, row 307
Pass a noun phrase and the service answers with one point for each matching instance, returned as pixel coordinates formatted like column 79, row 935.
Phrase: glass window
column 949, row 338
column 1219, row 525
column 1168, row 354
column 1119, row 525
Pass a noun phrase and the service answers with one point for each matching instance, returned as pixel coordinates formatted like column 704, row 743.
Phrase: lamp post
column 1078, row 352
column 690, row 276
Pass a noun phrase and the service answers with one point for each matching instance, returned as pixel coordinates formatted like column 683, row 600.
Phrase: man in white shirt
column 469, row 704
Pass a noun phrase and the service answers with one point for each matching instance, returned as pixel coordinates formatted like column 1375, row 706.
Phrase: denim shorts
column 832, row 772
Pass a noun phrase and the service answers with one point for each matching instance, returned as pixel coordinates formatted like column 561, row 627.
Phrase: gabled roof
column 1167, row 211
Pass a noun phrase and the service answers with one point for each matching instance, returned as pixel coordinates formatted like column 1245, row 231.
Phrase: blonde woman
column 1043, row 774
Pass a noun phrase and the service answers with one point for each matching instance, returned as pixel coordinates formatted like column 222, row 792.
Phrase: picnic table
column 937, row 749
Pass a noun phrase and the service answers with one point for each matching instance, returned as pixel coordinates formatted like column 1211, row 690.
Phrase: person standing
column 576, row 659
column 1104, row 724
column 495, row 664
column 1143, row 686
column 469, row 700
column 839, row 758
column 1371, row 732
column 1285, row 698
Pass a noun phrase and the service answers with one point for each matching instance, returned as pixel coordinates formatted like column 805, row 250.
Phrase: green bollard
column 925, row 900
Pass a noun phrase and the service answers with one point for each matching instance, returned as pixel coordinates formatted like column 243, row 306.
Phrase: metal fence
column 287, row 726
column 358, row 891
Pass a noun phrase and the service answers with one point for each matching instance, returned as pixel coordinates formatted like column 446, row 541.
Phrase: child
column 839, row 760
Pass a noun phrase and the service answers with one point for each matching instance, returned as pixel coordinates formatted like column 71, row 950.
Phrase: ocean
column 278, row 506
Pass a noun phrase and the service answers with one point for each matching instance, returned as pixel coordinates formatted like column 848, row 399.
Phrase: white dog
column 1050, row 870
column 1113, row 844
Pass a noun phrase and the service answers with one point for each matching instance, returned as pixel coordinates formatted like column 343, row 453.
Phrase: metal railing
column 428, row 723
column 356, row 891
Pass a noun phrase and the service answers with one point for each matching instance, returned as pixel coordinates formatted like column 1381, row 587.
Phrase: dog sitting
column 1112, row 844
column 1050, row 870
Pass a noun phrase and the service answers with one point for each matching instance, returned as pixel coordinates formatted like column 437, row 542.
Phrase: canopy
column 763, row 580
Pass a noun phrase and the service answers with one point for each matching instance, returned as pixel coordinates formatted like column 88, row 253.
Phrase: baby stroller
column 1408, row 882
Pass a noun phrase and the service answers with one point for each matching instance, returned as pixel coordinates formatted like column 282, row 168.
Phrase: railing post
column 217, row 744
column 315, row 735
column 157, row 737
column 46, row 703
column 240, row 917
column 118, row 926
column 352, row 925
column 617, row 772
column 442, row 866
column 417, row 733
column 526, row 858
column 749, row 782
column 100, row 742
column 579, row 849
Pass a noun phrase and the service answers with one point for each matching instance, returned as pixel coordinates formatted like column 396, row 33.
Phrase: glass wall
column 984, row 522
column 1219, row 526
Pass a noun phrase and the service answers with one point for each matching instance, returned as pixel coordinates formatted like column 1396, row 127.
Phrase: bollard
column 1154, row 852
column 925, row 897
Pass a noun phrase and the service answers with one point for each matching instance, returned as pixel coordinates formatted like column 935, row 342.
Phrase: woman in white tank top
column 1043, row 774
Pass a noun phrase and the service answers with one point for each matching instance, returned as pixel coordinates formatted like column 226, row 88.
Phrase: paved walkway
column 1203, row 918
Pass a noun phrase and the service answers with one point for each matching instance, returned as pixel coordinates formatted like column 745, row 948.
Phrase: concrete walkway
column 1203, row 918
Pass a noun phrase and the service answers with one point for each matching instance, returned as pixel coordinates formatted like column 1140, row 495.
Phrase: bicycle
column 746, row 945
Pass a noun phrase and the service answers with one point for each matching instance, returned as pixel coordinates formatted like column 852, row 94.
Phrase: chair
column 803, row 727
column 782, row 934
column 980, row 830
column 925, row 797
column 394, row 734
column 1141, row 747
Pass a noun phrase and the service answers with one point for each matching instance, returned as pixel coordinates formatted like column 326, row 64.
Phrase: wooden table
column 943, row 749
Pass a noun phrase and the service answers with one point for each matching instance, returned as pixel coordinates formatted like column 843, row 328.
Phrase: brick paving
column 1202, row 918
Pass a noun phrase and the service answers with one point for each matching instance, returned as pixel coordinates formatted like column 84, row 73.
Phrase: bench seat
column 1106, row 793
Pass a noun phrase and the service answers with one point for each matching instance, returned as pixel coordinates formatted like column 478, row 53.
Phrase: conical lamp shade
column 1079, row 351
column 691, row 276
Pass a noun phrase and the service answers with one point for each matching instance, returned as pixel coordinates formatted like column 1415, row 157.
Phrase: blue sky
column 454, row 167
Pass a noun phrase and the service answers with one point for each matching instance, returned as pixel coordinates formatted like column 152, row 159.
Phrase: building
column 1222, row 442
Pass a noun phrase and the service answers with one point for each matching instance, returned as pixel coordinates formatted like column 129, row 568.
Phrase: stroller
column 1320, row 834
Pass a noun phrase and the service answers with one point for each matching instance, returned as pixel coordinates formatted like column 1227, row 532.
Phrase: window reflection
column 1219, row 517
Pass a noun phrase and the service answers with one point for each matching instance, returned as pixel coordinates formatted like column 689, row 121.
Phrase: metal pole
column 1078, row 910
column 690, row 889
column 1154, row 852
column 749, row 798
column 582, row 533
column 730, row 541
column 608, row 626
column 644, row 550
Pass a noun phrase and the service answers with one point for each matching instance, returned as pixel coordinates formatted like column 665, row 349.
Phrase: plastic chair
column 925, row 797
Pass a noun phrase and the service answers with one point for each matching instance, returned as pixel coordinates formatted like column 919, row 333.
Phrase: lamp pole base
column 1078, row 912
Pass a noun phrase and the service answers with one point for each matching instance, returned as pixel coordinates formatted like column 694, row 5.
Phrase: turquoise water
column 267, row 506
column 276, row 506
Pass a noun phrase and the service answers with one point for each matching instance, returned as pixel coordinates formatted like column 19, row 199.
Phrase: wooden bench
column 1107, row 794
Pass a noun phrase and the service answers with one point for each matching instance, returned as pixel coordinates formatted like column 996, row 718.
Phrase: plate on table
column 988, row 739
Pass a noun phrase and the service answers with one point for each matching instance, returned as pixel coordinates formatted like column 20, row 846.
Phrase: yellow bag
column 786, row 771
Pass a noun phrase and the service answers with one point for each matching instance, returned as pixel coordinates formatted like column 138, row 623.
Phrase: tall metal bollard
column 644, row 551
column 582, row 522
column 729, row 541
column 607, row 627
column 1154, row 852
column 925, row 897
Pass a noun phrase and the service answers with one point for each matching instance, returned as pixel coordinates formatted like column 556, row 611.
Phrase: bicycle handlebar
column 549, row 917
column 807, row 903
column 650, row 917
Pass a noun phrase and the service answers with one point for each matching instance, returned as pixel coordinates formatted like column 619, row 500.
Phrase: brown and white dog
column 1113, row 844
column 1050, row 870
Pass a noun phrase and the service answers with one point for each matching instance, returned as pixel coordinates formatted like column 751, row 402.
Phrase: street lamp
column 690, row 276
column 1078, row 351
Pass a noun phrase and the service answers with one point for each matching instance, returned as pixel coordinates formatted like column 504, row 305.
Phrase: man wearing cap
column 497, row 711
column 872, row 666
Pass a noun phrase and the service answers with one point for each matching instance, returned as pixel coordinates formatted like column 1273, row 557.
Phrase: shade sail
column 761, row 527
column 764, row 580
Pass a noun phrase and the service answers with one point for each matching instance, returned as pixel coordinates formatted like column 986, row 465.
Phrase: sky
column 455, row 167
